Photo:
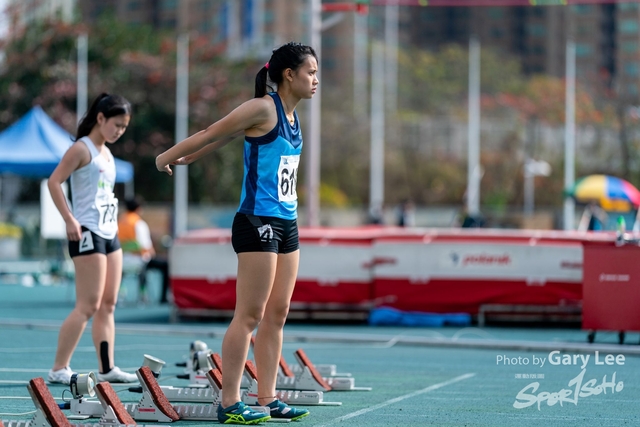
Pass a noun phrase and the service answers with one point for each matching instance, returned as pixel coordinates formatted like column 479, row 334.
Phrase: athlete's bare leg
column 256, row 273
column 90, row 273
column 268, row 345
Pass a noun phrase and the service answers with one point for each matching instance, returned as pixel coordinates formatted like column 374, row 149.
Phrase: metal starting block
column 198, row 393
column 201, row 394
column 309, row 378
column 290, row 397
column 198, row 367
column 326, row 370
column 306, row 376
column 250, row 395
column 154, row 405
column 49, row 414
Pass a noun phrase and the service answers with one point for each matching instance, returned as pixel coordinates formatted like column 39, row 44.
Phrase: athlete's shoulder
column 78, row 149
column 260, row 105
column 258, row 111
column 74, row 158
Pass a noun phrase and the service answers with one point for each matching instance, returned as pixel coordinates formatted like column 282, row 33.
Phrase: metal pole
column 529, row 190
column 570, row 135
column 473, row 168
column 360, row 66
column 181, row 187
column 376, row 185
column 129, row 190
column 258, row 25
column 83, row 76
column 233, row 29
column 391, row 68
column 313, row 145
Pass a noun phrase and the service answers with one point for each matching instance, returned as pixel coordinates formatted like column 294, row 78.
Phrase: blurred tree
column 139, row 63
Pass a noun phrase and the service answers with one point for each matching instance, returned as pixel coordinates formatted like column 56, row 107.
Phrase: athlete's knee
column 108, row 307
column 250, row 318
column 87, row 309
column 277, row 315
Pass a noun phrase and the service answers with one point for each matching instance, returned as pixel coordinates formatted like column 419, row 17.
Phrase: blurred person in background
column 265, row 228
column 406, row 214
column 135, row 238
column 92, row 231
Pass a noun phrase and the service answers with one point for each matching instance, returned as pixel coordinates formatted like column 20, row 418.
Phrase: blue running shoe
column 240, row 414
column 283, row 411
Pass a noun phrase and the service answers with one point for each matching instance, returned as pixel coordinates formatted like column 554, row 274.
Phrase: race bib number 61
column 288, row 178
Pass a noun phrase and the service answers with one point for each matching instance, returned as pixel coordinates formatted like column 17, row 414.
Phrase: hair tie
column 266, row 65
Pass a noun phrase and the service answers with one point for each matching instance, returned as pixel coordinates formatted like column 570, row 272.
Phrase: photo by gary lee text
column 557, row 358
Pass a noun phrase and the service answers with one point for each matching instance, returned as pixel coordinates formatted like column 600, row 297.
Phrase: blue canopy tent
column 34, row 145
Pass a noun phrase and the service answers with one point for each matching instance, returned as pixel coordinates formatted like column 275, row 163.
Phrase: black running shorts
column 91, row 243
column 264, row 234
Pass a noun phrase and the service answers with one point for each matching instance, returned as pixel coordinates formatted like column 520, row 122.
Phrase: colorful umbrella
column 610, row 192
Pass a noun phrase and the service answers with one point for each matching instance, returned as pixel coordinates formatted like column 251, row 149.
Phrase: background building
column 607, row 36
column 245, row 27
column 20, row 13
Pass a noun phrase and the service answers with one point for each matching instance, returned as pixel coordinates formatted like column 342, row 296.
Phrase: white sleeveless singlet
column 94, row 204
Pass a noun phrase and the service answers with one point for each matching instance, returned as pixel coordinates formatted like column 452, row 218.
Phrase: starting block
column 291, row 371
column 155, row 405
column 198, row 367
column 49, row 414
column 309, row 378
column 326, row 370
column 306, row 376
column 250, row 383
column 291, row 397
column 200, row 390
column 114, row 410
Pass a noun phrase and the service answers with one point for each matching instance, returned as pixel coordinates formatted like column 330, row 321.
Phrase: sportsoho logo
column 581, row 386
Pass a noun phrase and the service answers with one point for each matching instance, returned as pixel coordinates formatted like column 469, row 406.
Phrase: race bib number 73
column 288, row 178
column 108, row 210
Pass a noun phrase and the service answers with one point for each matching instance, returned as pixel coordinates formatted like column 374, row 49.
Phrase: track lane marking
column 399, row 399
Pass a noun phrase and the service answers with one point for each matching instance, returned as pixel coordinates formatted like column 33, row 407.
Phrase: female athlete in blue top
column 265, row 229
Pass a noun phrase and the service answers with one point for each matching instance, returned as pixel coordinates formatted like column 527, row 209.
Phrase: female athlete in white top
column 92, row 229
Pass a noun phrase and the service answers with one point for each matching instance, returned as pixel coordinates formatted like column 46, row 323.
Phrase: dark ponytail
column 290, row 55
column 261, row 83
column 109, row 106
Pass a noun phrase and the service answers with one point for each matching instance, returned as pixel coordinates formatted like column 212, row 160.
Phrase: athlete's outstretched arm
column 209, row 148
column 248, row 115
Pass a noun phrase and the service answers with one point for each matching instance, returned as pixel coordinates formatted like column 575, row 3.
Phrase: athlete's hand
column 163, row 167
column 74, row 231
column 186, row 160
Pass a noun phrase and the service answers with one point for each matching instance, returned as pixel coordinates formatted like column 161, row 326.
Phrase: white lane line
column 399, row 399
column 18, row 397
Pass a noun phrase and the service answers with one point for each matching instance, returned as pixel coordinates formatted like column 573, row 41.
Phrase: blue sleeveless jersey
column 271, row 169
